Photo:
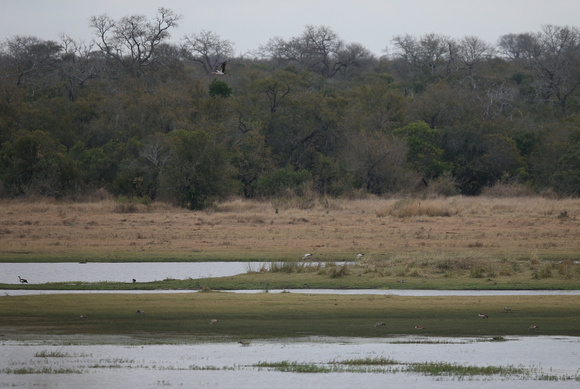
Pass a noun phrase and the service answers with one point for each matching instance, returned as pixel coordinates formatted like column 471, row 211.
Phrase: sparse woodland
column 142, row 117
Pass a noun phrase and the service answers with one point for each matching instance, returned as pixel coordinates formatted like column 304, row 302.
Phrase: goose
column 359, row 256
column 140, row 312
column 213, row 321
column 22, row 280
column 244, row 342
column 134, row 280
column 307, row 256
column 533, row 327
column 482, row 316
column 419, row 327
column 221, row 69
column 507, row 309
column 380, row 324
column 83, row 316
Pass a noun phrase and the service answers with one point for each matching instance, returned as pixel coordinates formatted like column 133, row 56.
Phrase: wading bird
column 221, row 69
column 22, row 280
column 533, row 327
column 419, row 327
column 140, row 312
column 244, row 342
column 213, row 321
column 482, row 316
column 380, row 324
column 307, row 256
column 134, row 280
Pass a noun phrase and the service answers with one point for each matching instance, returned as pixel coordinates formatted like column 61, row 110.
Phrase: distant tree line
column 145, row 118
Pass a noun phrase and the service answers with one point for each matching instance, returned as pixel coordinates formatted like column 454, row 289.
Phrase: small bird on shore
column 419, row 327
column 482, row 316
column 380, row 324
column 359, row 256
column 533, row 327
column 507, row 309
column 213, row 321
column 140, row 312
column 22, row 280
column 244, row 342
column 83, row 316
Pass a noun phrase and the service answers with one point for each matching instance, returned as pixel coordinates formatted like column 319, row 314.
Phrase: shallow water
column 229, row 365
column 380, row 292
column 39, row 273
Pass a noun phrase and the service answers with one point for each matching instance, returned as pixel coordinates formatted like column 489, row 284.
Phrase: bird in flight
column 221, row 69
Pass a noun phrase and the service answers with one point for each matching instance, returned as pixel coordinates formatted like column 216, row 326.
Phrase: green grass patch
column 453, row 369
column 268, row 315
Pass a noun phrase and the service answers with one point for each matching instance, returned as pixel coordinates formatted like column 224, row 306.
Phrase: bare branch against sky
column 251, row 23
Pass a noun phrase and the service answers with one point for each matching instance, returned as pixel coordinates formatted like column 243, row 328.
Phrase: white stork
column 221, row 70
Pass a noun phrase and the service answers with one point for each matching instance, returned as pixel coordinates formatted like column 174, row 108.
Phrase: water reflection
column 227, row 364
column 380, row 292
column 39, row 273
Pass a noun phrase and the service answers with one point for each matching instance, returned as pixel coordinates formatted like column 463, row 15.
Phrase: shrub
column 508, row 190
column 541, row 272
column 280, row 181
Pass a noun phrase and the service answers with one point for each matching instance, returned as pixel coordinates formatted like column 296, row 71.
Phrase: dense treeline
column 142, row 117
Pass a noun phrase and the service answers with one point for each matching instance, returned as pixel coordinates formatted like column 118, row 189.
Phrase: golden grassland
column 267, row 315
column 330, row 229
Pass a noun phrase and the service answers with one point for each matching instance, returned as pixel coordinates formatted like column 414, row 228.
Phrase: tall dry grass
column 329, row 228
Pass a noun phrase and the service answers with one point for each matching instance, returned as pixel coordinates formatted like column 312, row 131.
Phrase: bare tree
column 553, row 55
column 208, row 49
column 423, row 59
column 25, row 57
column 469, row 54
column 132, row 41
column 79, row 64
column 319, row 49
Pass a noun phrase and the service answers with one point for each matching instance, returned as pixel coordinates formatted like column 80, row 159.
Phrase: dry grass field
column 330, row 229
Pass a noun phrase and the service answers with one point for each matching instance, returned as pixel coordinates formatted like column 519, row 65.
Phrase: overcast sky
column 251, row 23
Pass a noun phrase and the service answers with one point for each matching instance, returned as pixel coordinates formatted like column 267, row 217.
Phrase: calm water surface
column 39, row 273
column 76, row 363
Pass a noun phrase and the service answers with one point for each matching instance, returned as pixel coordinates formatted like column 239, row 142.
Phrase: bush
column 280, row 181
column 508, row 190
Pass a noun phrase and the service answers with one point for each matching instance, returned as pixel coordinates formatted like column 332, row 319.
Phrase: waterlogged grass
column 370, row 365
column 370, row 361
column 51, row 354
column 42, row 370
column 453, row 369
column 295, row 367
